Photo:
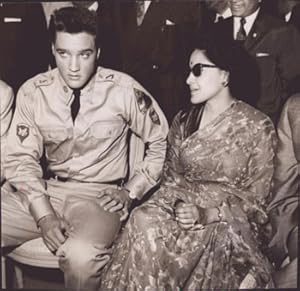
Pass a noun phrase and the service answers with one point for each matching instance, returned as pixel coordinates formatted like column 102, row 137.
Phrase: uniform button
column 155, row 67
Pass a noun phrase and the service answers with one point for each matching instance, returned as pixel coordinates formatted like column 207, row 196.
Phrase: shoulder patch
column 22, row 131
column 143, row 100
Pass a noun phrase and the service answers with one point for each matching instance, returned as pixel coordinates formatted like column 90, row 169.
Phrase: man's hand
column 114, row 200
column 53, row 230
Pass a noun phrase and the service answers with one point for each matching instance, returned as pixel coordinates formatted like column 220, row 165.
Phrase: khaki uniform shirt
column 6, row 101
column 94, row 149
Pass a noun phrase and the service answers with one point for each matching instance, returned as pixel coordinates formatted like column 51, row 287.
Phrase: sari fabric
column 230, row 163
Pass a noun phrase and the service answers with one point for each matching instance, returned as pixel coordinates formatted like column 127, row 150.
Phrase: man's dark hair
column 73, row 20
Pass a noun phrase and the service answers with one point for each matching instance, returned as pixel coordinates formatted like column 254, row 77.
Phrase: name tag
column 12, row 19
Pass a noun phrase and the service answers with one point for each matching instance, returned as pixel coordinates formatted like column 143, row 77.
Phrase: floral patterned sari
column 229, row 161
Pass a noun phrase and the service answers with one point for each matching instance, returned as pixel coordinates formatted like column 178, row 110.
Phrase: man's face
column 243, row 8
column 75, row 56
column 217, row 5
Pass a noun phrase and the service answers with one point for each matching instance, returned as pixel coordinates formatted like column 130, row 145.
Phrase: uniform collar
column 67, row 92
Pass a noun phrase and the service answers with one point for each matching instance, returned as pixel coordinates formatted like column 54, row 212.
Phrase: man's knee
column 83, row 258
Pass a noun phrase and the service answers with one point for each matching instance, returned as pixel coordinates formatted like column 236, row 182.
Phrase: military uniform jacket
column 94, row 149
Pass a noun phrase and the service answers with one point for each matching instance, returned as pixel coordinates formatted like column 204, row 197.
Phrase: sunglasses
column 198, row 68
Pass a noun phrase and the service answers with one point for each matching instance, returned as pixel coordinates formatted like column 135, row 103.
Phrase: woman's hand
column 188, row 215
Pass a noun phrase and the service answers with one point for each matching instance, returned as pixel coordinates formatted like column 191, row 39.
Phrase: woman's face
column 206, row 81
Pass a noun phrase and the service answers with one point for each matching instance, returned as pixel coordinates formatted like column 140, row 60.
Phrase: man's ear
column 53, row 49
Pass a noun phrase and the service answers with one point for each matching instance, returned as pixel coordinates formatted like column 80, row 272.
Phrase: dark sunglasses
column 198, row 68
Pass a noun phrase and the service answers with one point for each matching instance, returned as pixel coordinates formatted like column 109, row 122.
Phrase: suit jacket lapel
column 258, row 31
column 225, row 28
column 153, row 15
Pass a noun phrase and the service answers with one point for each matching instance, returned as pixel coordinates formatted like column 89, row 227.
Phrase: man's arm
column 286, row 172
column 6, row 102
column 25, row 148
column 147, row 120
column 285, row 189
column 24, row 172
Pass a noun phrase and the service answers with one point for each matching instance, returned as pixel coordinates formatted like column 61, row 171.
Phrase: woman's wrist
column 210, row 215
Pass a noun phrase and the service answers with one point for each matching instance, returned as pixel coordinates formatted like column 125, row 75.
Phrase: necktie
column 140, row 12
column 241, row 35
column 75, row 104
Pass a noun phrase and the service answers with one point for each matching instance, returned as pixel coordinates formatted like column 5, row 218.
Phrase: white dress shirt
column 248, row 25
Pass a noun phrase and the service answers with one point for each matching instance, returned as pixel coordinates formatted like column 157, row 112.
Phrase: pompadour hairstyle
column 74, row 20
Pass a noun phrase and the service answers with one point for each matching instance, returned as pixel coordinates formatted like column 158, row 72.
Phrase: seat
column 35, row 253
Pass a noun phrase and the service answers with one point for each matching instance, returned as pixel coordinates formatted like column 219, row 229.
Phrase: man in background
column 25, row 48
column 151, row 40
column 274, row 46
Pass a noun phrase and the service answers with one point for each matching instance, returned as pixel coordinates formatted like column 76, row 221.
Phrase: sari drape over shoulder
column 228, row 162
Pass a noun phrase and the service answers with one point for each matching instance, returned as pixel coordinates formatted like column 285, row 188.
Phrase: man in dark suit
column 289, row 10
column 274, row 45
column 25, row 48
column 152, row 46
column 216, row 10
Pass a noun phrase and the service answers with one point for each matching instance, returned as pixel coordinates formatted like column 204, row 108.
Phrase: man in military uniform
column 81, row 115
column 7, row 98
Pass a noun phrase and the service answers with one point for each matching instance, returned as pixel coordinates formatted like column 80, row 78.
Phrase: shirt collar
column 288, row 16
column 94, row 6
column 227, row 13
column 67, row 92
column 249, row 22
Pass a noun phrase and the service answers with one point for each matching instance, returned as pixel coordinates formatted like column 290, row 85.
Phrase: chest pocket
column 57, row 143
column 110, row 129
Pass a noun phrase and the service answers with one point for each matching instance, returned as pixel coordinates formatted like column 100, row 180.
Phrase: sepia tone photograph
column 150, row 145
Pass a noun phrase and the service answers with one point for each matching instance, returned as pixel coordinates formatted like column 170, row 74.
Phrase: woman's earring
column 225, row 83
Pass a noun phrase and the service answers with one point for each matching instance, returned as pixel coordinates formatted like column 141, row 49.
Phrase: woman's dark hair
column 229, row 55
column 73, row 20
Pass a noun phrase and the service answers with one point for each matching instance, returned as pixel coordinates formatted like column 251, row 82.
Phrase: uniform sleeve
column 25, row 149
column 286, row 173
column 6, row 99
column 146, row 119
column 285, row 188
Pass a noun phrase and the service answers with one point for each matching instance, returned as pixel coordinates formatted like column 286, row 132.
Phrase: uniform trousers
column 92, row 230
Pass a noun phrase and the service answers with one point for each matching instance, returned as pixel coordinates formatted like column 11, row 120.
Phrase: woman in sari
column 203, row 228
